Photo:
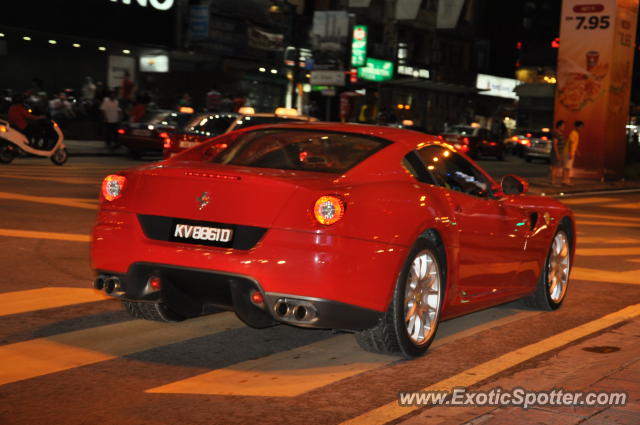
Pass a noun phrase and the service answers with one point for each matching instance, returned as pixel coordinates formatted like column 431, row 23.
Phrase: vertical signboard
column 359, row 46
column 595, row 60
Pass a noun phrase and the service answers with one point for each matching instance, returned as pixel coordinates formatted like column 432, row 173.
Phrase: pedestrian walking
column 570, row 149
column 557, row 149
column 111, row 114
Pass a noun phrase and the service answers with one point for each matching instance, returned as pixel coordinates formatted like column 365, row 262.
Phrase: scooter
column 13, row 143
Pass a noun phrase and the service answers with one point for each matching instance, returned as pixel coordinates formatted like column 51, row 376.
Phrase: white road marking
column 294, row 372
column 65, row 351
column 32, row 234
column 590, row 200
column 86, row 203
column 44, row 298
column 608, row 252
column 469, row 377
column 596, row 275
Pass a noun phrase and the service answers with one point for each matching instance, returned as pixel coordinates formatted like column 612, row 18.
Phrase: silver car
column 538, row 147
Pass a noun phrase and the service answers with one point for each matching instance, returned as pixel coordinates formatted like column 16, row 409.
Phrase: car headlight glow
column 112, row 186
column 329, row 209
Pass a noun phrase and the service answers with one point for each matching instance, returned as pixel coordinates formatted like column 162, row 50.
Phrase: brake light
column 525, row 142
column 465, row 140
column 544, row 138
column 493, row 144
column 121, row 131
column 3, row 129
column 528, row 134
column 164, row 135
column 514, row 138
column 328, row 209
column 167, row 143
column 112, row 186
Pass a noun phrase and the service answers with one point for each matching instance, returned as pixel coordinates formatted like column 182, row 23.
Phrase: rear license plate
column 186, row 144
column 202, row 233
column 138, row 132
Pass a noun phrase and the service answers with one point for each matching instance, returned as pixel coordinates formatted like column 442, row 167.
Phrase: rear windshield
column 166, row 118
column 210, row 125
column 248, row 121
column 299, row 150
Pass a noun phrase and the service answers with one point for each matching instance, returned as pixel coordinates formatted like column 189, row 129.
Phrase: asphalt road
column 70, row 356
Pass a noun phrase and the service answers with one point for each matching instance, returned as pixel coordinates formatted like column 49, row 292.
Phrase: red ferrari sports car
column 378, row 230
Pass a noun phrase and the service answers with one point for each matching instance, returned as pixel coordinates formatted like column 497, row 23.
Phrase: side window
column 454, row 172
column 414, row 165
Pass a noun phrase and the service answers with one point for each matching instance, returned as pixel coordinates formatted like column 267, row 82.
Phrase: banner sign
column 595, row 61
column 376, row 70
column 359, row 45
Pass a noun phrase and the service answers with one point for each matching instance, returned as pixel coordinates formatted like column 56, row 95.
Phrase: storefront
column 430, row 105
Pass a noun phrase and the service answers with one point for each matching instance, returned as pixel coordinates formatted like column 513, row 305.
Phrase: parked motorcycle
column 47, row 143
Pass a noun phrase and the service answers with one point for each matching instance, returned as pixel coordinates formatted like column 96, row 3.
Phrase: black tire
column 60, row 156
column 500, row 156
column 158, row 312
column 6, row 154
column 391, row 334
column 542, row 298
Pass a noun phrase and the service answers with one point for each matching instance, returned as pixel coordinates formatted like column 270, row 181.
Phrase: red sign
column 588, row 8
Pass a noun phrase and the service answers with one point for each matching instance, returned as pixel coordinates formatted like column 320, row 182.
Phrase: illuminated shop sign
column 154, row 63
column 127, row 22
column 156, row 4
column 497, row 86
column 359, row 46
column 413, row 72
column 376, row 70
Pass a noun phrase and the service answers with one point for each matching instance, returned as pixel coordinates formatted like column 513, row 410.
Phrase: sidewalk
column 606, row 362
column 537, row 185
column 541, row 186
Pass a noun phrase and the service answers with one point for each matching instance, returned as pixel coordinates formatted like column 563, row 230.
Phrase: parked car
column 207, row 125
column 378, row 230
column 148, row 135
column 475, row 141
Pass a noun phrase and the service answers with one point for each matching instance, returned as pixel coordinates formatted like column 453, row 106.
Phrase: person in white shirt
column 111, row 114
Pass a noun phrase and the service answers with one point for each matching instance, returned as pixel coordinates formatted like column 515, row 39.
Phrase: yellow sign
column 595, row 61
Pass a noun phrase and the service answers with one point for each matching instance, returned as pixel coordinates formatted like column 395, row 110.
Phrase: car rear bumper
column 340, row 274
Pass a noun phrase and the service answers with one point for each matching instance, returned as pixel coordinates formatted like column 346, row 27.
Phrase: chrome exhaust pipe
column 112, row 284
column 295, row 310
column 98, row 283
column 299, row 312
column 281, row 308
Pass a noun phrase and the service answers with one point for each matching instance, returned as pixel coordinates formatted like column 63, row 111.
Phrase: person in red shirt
column 23, row 120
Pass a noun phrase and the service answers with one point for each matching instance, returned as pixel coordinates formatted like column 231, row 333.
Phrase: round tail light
column 328, row 209
column 112, row 186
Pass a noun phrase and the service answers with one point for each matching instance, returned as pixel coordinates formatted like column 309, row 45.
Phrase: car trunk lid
column 219, row 193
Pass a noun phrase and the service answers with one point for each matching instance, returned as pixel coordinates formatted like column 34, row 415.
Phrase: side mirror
column 513, row 185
